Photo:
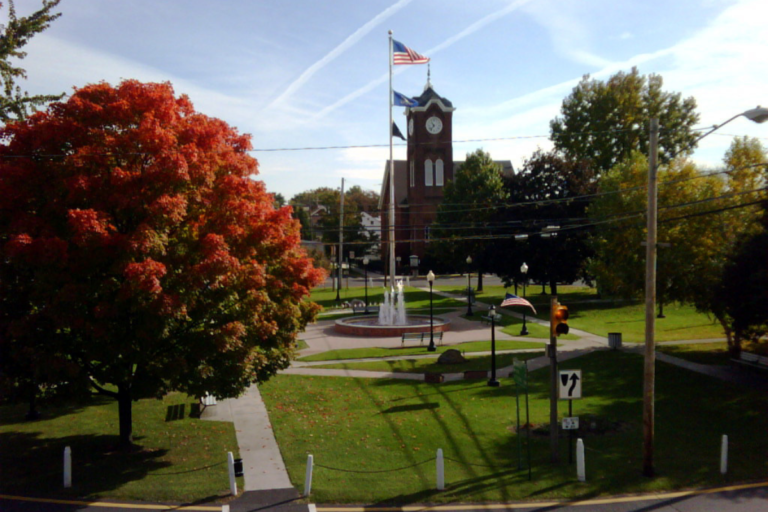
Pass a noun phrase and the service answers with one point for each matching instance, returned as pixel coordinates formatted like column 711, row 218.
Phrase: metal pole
column 431, row 347
column 341, row 239
column 391, row 178
column 570, row 433
column 527, row 424
column 524, row 330
column 554, row 441
column 365, row 273
column 519, row 446
column 469, row 292
column 649, row 367
column 493, row 382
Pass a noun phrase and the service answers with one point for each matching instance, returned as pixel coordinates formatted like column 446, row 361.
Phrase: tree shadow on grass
column 13, row 414
column 31, row 465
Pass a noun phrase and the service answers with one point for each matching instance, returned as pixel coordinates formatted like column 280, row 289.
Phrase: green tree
column 603, row 122
column 539, row 201
column 463, row 226
column 15, row 104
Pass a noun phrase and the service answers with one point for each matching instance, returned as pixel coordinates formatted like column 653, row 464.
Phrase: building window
column 439, row 172
column 426, row 234
column 413, row 175
column 428, row 173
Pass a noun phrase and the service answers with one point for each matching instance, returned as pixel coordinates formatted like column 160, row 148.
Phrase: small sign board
column 571, row 423
column 569, row 384
column 520, row 374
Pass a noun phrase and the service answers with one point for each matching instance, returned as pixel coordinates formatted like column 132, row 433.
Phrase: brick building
column 420, row 180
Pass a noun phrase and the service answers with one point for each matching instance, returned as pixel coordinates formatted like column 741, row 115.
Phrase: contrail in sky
column 346, row 44
column 442, row 46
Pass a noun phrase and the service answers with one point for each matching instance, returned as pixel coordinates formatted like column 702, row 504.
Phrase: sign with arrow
column 569, row 386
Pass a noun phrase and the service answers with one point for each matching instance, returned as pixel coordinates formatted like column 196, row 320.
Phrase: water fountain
column 392, row 320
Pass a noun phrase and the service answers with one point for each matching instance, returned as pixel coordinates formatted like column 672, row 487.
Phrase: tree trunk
column 33, row 413
column 124, row 404
column 479, row 280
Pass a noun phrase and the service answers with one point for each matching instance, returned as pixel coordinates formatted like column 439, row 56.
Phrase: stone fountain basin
column 368, row 326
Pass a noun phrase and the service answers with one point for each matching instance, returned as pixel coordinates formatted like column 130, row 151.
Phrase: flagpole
column 391, row 179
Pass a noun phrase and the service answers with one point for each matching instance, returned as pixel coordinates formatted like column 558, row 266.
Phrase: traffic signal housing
column 559, row 320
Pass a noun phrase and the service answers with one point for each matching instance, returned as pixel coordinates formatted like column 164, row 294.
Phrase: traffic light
column 559, row 320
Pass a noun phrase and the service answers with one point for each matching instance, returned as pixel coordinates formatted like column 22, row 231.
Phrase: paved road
column 748, row 498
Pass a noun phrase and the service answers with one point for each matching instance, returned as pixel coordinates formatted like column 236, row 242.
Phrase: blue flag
column 404, row 101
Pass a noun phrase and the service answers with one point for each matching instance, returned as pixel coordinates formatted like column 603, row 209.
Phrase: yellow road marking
column 108, row 504
column 539, row 504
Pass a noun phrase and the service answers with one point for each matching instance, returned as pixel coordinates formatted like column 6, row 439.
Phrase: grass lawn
column 681, row 322
column 704, row 353
column 470, row 346
column 430, row 365
column 180, row 458
column 367, row 425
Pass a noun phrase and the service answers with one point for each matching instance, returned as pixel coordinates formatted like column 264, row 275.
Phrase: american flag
column 401, row 54
column 514, row 300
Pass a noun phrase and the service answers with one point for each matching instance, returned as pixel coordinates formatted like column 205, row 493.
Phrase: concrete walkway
column 263, row 466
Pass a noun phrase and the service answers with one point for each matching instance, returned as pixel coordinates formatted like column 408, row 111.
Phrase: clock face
column 410, row 127
column 434, row 125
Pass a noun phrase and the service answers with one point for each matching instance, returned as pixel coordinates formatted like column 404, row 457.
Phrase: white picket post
column 231, row 468
column 308, row 475
column 580, row 467
column 67, row 467
column 724, row 455
column 440, row 470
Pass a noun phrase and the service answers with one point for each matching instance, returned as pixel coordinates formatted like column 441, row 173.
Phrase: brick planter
column 475, row 374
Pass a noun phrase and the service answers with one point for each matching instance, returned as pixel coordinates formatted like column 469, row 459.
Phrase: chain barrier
column 475, row 465
column 377, row 471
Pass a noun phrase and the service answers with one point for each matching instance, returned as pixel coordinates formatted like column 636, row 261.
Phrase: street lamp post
column 431, row 347
column 365, row 271
column 493, row 382
column 469, row 286
column 524, row 271
column 758, row 115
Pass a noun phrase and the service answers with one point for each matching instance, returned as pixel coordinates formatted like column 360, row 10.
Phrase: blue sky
column 300, row 73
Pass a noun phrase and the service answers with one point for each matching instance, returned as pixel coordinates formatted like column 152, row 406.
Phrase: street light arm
column 757, row 115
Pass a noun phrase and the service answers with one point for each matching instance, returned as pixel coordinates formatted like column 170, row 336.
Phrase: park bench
column 485, row 320
column 421, row 337
column 359, row 309
column 752, row 360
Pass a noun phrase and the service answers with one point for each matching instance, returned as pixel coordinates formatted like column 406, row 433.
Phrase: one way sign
column 569, row 384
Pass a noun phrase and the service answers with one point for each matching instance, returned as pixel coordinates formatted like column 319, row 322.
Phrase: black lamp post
column 365, row 273
column 431, row 347
column 469, row 286
column 524, row 271
column 493, row 382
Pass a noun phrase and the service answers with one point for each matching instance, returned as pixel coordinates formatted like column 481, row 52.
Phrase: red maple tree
column 136, row 248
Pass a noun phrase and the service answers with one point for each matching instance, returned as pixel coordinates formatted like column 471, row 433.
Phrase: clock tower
column 429, row 164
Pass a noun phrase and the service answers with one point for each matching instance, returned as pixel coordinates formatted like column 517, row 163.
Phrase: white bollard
column 232, row 480
column 67, row 467
column 308, row 476
column 580, row 470
column 225, row 508
column 724, row 455
column 440, row 470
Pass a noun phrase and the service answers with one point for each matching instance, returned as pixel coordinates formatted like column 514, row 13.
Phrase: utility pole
column 341, row 239
column 554, row 434
column 649, row 367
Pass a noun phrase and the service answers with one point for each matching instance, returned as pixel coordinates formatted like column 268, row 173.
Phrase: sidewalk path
column 263, row 466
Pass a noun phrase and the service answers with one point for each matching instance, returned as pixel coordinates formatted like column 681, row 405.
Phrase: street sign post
column 571, row 423
column 569, row 388
column 569, row 384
